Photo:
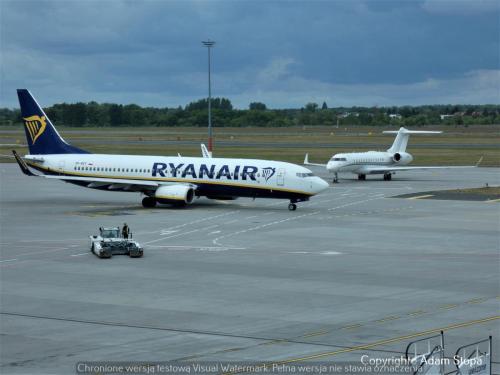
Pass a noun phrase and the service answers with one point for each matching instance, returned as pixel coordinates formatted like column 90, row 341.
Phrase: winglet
column 479, row 161
column 205, row 152
column 22, row 165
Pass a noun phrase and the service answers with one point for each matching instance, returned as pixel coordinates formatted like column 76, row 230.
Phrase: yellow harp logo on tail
column 35, row 125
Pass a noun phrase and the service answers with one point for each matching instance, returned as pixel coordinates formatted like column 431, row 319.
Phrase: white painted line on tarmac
column 421, row 196
column 79, row 255
column 8, row 260
column 175, row 235
column 211, row 227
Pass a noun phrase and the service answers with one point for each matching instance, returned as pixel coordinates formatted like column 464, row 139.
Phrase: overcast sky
column 282, row 53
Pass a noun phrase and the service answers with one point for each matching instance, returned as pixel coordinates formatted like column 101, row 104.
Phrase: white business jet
column 395, row 159
column 162, row 179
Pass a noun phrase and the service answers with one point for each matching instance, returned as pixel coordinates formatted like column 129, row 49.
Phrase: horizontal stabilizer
column 402, row 137
column 406, row 131
column 22, row 165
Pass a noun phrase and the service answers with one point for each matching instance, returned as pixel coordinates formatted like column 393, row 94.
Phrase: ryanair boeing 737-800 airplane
column 162, row 179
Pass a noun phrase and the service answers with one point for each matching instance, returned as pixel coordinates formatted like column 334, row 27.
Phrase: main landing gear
column 361, row 177
column 292, row 206
column 387, row 177
column 148, row 202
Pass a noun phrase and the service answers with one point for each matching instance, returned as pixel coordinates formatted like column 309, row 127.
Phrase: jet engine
column 175, row 194
column 402, row 158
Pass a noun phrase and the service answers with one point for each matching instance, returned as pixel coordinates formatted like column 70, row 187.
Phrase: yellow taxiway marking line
column 415, row 313
column 476, row 300
column 230, row 350
column 352, row 326
column 381, row 342
column 422, row 196
column 395, row 339
column 448, row 307
column 319, row 333
column 273, row 342
column 387, row 319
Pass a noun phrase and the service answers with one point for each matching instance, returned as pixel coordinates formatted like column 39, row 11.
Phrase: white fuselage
column 366, row 162
column 211, row 177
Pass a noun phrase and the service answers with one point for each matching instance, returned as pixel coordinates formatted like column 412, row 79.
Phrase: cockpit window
column 302, row 175
column 339, row 159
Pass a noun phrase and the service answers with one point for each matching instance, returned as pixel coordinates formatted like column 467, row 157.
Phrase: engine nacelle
column 175, row 194
column 402, row 158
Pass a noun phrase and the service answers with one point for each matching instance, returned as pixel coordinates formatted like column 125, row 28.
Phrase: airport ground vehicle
column 109, row 243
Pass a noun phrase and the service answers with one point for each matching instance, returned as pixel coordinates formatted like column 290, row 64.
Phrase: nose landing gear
column 292, row 206
column 335, row 178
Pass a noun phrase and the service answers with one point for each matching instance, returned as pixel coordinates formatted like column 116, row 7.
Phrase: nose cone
column 331, row 166
column 319, row 185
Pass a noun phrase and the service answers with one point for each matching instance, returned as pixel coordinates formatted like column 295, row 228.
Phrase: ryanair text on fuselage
column 205, row 171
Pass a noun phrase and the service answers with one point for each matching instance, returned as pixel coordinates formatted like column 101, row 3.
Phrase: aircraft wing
column 396, row 169
column 306, row 162
column 112, row 183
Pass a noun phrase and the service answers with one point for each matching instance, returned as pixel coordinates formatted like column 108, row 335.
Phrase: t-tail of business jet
column 387, row 163
column 162, row 179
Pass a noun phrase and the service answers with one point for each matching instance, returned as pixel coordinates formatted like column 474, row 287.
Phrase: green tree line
column 224, row 115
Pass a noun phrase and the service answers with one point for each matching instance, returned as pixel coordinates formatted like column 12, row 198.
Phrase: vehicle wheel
column 148, row 202
column 292, row 206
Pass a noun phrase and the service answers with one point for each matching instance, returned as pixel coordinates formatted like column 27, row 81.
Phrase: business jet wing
column 396, row 169
column 306, row 162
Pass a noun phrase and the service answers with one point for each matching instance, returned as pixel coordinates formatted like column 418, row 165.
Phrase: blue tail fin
column 41, row 135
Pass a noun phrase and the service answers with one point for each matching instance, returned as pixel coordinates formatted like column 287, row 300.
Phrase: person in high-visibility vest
column 125, row 230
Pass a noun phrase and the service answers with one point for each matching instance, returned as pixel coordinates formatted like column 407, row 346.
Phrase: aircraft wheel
column 292, row 206
column 148, row 202
column 362, row 177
